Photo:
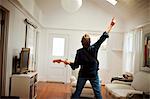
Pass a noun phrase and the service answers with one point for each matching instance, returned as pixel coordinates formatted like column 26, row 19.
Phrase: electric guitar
column 61, row 61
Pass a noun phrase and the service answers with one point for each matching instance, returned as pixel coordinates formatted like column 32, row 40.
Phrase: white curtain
column 132, row 51
column 128, row 52
column 31, row 43
column 138, row 49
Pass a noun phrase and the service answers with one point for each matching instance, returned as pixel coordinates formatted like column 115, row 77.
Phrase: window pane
column 58, row 46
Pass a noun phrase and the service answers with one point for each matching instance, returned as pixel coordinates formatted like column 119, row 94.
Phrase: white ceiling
column 127, row 9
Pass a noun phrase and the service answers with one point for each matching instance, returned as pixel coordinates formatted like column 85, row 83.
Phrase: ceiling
column 126, row 9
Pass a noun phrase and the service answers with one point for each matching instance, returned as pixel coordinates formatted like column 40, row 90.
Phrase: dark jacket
column 87, row 59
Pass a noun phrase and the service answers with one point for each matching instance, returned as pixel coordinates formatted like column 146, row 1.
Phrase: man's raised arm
column 113, row 21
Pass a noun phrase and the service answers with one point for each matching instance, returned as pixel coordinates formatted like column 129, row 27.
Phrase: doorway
column 3, row 49
column 57, row 49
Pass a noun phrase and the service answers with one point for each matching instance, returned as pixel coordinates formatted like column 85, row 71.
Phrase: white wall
column 19, row 32
column 115, row 54
column 31, row 7
column 28, row 4
column 140, row 18
column 16, row 35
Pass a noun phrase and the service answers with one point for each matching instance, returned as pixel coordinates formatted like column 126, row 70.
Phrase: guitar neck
column 60, row 61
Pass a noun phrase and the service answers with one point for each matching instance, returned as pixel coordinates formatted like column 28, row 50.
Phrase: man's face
column 85, row 41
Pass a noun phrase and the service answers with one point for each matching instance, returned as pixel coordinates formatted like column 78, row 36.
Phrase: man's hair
column 86, row 40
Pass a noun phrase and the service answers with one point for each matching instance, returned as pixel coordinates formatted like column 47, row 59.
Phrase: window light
column 113, row 2
column 58, row 46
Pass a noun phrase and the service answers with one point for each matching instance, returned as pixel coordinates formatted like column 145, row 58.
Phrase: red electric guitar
column 61, row 61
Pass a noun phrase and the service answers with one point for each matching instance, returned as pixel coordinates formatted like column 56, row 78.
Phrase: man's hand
column 66, row 62
column 113, row 21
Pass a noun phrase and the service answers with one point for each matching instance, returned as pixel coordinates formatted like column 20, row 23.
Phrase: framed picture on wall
column 146, row 66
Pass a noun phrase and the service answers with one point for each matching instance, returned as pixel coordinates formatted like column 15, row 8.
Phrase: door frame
column 4, row 37
column 51, row 57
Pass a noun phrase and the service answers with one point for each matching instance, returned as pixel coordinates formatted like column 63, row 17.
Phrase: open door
column 3, row 44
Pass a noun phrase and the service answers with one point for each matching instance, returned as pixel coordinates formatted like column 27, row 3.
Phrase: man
column 86, row 57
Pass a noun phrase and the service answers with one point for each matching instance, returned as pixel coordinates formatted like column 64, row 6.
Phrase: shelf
column 29, row 74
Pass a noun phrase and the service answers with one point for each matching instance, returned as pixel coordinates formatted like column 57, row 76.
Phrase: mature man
column 86, row 57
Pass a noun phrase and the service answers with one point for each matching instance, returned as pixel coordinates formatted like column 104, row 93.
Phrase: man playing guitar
column 86, row 58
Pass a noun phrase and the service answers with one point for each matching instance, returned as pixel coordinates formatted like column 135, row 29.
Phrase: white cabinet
column 24, row 85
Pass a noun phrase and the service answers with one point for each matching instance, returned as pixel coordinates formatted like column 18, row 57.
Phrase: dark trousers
column 95, row 85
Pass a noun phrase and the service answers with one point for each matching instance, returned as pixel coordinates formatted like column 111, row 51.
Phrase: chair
column 126, row 78
column 139, row 86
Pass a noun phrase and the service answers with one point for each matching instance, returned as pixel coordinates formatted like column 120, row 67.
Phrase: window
column 58, row 46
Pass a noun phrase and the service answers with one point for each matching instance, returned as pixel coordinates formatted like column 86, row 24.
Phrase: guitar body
column 60, row 61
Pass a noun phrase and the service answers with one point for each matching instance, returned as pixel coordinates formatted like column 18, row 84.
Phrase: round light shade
column 71, row 5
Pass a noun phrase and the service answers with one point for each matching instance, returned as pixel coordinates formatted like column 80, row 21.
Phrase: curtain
column 31, row 43
column 132, row 51
column 128, row 52
column 138, row 49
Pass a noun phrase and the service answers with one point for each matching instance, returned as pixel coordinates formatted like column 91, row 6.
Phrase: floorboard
column 47, row 90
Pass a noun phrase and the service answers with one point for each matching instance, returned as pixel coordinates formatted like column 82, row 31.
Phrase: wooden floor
column 47, row 90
